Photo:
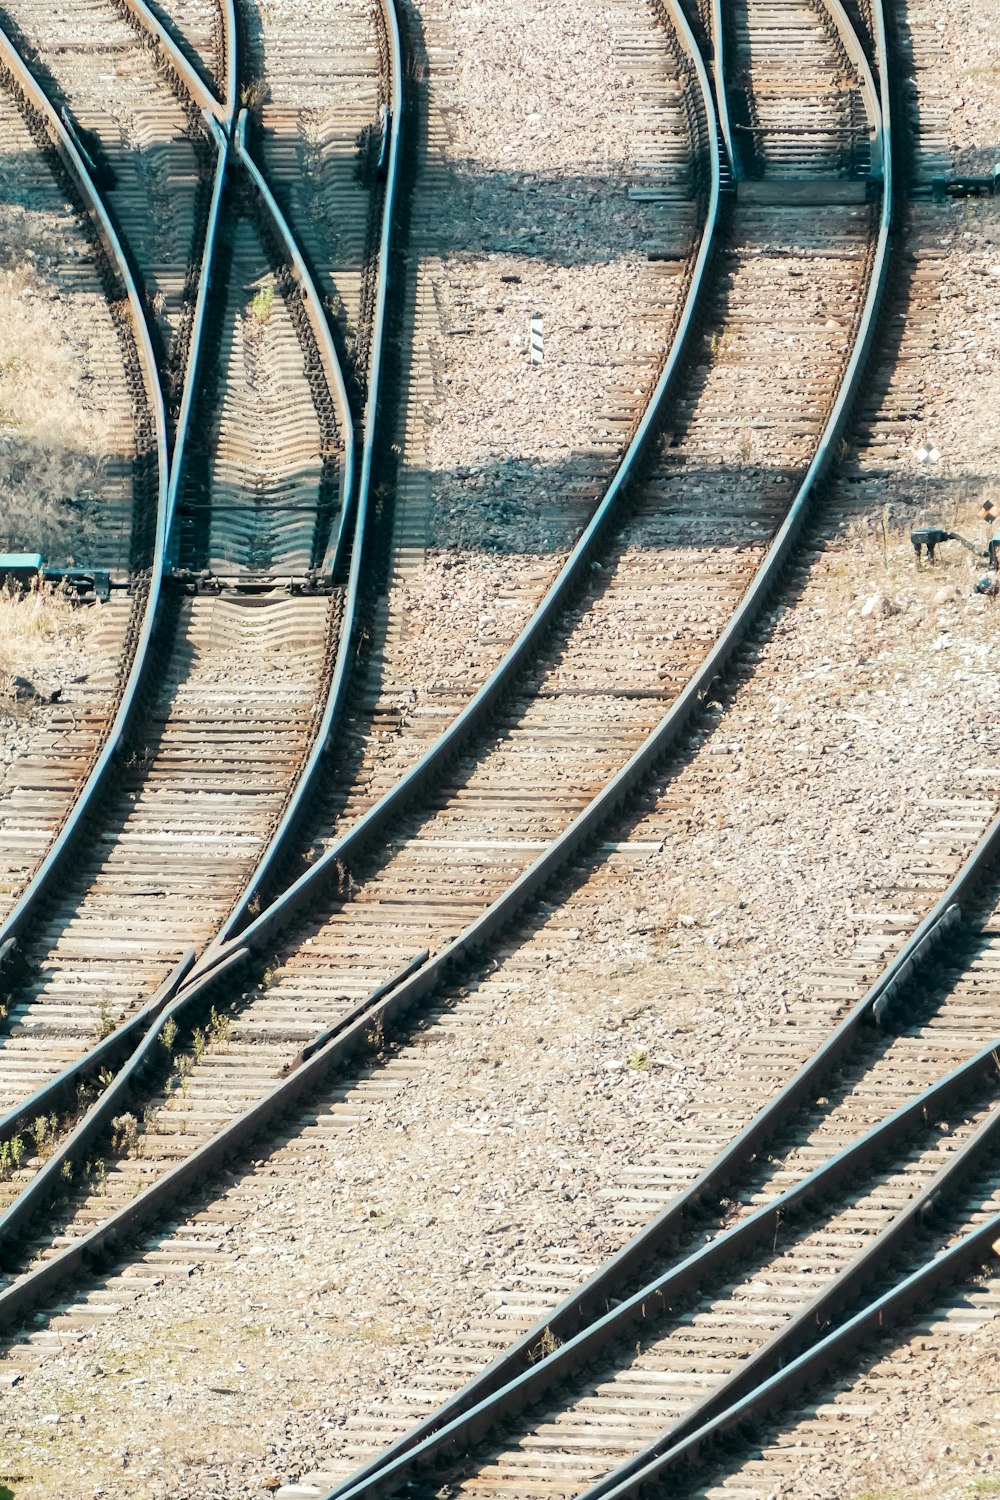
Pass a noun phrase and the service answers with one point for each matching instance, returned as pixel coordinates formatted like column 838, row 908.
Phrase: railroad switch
column 931, row 537
column 943, row 188
column 83, row 585
column 989, row 584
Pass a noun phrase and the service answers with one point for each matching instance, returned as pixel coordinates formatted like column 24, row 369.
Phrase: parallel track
column 592, row 1438
column 318, row 136
column 308, row 1023
column 191, row 1074
column 518, row 514
column 353, row 586
column 192, row 752
column 153, row 154
column 611, row 1420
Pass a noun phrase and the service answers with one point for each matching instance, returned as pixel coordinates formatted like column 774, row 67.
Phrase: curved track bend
column 129, row 542
column 239, row 1038
column 198, row 798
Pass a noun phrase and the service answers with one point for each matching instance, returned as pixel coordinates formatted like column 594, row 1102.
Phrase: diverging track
column 214, row 757
column 695, row 1352
column 455, row 842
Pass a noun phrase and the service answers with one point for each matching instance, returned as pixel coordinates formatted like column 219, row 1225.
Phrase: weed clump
column 262, row 305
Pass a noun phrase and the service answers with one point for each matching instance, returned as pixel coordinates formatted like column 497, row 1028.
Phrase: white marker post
column 926, row 455
column 536, row 339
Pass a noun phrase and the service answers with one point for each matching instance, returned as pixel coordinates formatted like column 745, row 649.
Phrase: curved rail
column 333, row 561
column 375, row 821
column 718, row 35
column 584, row 1304
column 874, row 95
column 631, row 1479
column 353, row 1031
column 436, row 1439
column 16, row 1299
column 27, row 902
column 354, row 1028
column 224, row 111
column 312, row 302
column 969, row 1253
column 313, row 306
column 230, row 42
column 113, row 1050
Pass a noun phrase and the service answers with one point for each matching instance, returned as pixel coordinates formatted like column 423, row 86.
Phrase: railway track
column 311, row 1022
column 238, row 1036
column 185, row 789
column 591, row 1438
column 901, row 1104
column 461, row 535
column 204, row 34
column 146, row 152
column 152, row 154
column 126, row 486
column 321, row 126
column 801, row 1443
column 599, row 1414
column 943, row 1025
column 173, row 957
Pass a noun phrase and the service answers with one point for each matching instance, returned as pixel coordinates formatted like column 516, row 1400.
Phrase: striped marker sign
column 536, row 339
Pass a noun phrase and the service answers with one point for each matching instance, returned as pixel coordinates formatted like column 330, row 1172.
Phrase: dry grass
column 34, row 630
column 54, row 433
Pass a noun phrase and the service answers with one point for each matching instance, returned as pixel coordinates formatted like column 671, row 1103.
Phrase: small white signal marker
column 537, row 339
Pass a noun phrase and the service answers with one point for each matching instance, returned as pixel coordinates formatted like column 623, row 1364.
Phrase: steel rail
column 718, row 39
column 876, row 101
column 317, row 1062
column 374, row 822
column 223, row 110
column 313, row 305
column 582, row 1305
column 189, row 393
column 719, row 1258
column 827, row 1307
column 12, row 1121
column 113, row 1050
column 354, row 1028
column 356, row 528
column 230, row 42
column 352, row 1032
column 108, row 1054
column 972, row 1250
column 347, row 524
column 404, row 995
column 14, row 923
column 311, row 300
